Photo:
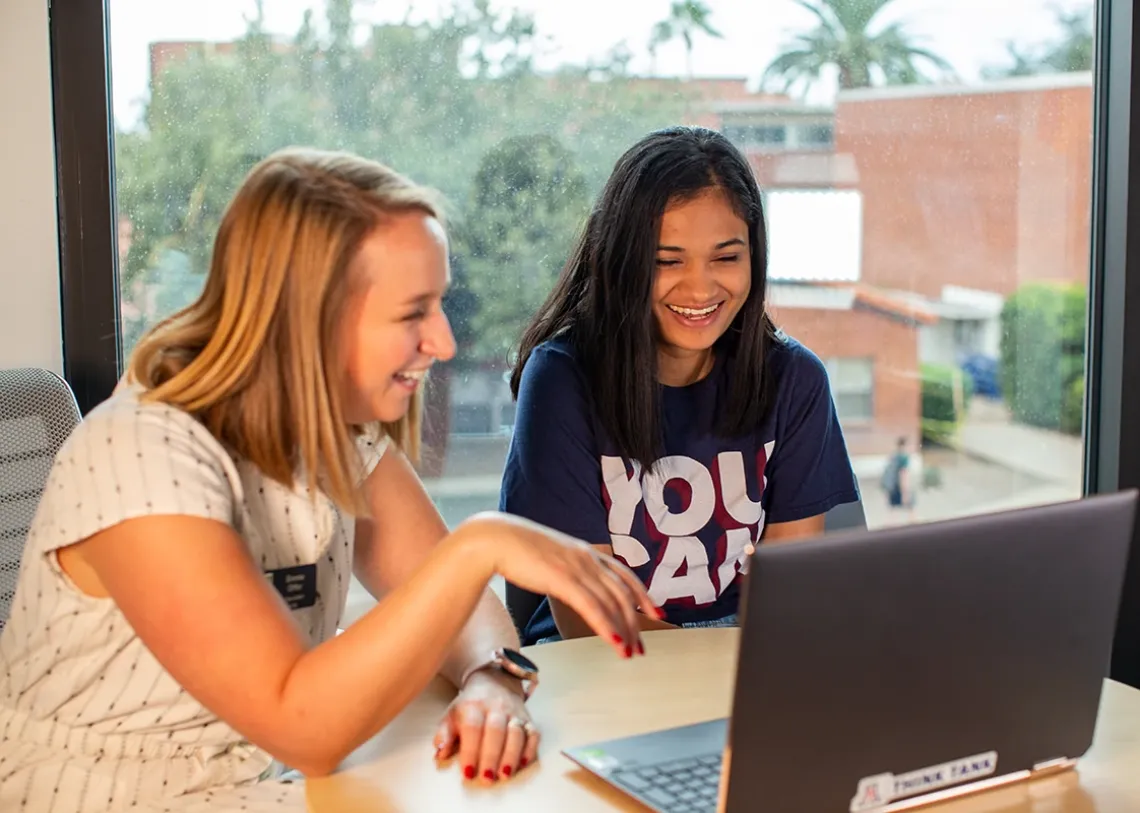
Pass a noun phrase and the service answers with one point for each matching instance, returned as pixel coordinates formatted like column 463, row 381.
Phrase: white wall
column 29, row 251
column 936, row 343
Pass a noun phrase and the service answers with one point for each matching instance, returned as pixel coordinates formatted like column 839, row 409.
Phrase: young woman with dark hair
column 661, row 414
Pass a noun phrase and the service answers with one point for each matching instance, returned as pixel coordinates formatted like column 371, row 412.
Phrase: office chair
column 37, row 413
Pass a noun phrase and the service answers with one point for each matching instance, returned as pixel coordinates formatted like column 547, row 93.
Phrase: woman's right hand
column 605, row 593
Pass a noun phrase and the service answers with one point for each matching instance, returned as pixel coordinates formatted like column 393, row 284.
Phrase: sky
column 969, row 33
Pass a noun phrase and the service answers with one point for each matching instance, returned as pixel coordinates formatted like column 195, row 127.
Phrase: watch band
column 509, row 663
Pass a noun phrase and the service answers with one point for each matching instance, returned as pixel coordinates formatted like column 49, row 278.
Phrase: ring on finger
column 516, row 722
column 530, row 729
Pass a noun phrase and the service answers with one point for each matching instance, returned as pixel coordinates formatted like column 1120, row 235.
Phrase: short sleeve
column 553, row 472
column 127, row 460
column 809, row 471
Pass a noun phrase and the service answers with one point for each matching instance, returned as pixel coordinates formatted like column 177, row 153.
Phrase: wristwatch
column 513, row 663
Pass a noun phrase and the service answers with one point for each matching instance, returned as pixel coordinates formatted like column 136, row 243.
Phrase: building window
column 757, row 136
column 815, row 135
column 853, row 388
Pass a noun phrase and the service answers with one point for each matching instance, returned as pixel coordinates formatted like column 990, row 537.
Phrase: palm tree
column 843, row 38
column 686, row 19
column 1073, row 51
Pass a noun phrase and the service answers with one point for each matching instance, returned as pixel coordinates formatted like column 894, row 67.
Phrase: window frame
column 1112, row 356
column 81, row 80
column 85, row 170
column 832, row 365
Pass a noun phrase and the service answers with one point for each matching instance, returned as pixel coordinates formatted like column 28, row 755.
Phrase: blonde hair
column 254, row 357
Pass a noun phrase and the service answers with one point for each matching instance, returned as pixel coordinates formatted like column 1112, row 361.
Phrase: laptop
column 883, row 670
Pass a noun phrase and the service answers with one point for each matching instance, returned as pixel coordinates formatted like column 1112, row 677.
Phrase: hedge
column 940, row 414
column 1042, row 355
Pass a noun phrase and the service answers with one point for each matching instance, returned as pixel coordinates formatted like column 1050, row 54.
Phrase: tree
column 1073, row 51
column 528, row 200
column 844, row 38
column 431, row 99
column 686, row 19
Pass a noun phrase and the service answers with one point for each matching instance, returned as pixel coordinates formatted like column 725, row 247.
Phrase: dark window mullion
column 89, row 291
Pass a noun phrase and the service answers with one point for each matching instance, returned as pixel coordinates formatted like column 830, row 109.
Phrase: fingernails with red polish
column 640, row 647
column 489, row 775
column 628, row 651
column 617, row 638
column 469, row 771
column 523, row 761
column 506, row 770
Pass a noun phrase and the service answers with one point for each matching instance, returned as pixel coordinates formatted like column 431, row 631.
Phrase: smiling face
column 703, row 278
column 394, row 327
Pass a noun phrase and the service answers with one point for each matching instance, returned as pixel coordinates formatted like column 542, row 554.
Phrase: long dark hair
column 602, row 300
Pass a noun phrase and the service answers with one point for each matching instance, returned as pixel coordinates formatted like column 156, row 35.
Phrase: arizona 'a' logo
column 873, row 792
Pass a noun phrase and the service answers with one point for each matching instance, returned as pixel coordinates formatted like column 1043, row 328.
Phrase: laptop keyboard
column 681, row 786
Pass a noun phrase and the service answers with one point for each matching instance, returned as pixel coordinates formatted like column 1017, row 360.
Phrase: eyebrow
column 735, row 241
column 425, row 298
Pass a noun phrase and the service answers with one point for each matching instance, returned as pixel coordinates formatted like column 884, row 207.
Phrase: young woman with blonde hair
column 172, row 643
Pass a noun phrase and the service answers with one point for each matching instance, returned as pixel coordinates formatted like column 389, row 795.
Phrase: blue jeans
column 727, row 621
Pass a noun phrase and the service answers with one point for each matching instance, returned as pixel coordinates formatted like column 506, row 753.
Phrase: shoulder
column 127, row 424
column 795, row 367
column 130, row 458
column 554, row 356
column 553, row 369
column 553, row 398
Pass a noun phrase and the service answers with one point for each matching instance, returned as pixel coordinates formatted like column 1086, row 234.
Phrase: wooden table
column 589, row 694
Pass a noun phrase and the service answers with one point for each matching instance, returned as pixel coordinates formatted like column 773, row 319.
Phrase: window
column 751, row 136
column 853, row 388
column 815, row 135
column 961, row 188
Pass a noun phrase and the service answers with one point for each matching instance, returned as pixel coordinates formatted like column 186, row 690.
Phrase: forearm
column 490, row 628
column 345, row 690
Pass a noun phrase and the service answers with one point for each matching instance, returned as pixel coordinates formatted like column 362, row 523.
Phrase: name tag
column 297, row 585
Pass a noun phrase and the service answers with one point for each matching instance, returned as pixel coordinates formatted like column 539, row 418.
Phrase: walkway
column 990, row 434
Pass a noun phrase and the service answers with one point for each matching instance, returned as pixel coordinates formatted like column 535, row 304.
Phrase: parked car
column 983, row 372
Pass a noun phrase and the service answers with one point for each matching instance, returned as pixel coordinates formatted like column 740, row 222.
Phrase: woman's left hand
column 489, row 727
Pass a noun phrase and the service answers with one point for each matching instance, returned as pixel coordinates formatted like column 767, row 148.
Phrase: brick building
column 981, row 187
column 967, row 192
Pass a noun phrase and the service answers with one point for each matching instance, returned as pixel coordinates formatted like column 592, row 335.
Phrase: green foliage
column 1072, row 51
column 439, row 101
column 844, row 37
column 528, row 201
column 1073, row 407
column 1042, row 355
column 946, row 394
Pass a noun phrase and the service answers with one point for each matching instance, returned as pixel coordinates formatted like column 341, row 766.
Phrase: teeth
column 413, row 375
column 694, row 312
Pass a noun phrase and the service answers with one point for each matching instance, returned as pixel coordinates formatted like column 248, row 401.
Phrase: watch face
column 520, row 660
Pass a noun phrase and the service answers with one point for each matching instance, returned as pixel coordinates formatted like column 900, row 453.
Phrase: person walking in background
column 898, row 479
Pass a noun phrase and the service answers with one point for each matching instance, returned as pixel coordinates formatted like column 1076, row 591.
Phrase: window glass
column 926, row 167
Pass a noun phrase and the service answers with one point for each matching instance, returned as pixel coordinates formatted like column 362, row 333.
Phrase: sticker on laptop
column 880, row 790
column 598, row 760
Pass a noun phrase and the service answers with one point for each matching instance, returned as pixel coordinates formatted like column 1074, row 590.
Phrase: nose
column 438, row 340
column 700, row 283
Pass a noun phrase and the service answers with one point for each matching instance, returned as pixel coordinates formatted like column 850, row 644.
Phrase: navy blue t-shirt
column 684, row 527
